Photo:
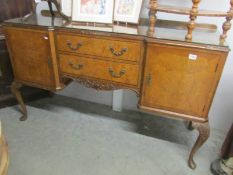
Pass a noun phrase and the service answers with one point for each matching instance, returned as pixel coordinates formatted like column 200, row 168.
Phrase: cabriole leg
column 204, row 133
column 15, row 89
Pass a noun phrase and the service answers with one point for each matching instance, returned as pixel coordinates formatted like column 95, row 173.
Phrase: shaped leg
column 15, row 90
column 204, row 132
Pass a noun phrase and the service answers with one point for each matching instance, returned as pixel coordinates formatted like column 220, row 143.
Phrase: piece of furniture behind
column 14, row 8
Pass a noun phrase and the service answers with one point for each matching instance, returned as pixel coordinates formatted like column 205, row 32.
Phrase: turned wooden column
column 227, row 24
column 153, row 10
column 193, row 16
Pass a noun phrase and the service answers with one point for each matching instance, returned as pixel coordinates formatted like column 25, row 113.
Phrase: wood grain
column 30, row 56
column 100, row 46
column 178, row 83
column 94, row 68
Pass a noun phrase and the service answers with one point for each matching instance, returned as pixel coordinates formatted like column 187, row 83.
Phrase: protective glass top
column 167, row 30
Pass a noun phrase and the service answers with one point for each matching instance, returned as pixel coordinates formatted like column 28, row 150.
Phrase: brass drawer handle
column 76, row 66
column 113, row 74
column 120, row 53
column 74, row 48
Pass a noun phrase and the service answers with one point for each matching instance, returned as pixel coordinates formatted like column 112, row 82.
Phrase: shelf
column 171, row 24
column 186, row 11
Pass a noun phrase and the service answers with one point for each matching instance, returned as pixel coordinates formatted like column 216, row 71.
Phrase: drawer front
column 106, row 70
column 110, row 48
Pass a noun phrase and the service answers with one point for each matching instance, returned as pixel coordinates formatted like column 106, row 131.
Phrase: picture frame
column 127, row 11
column 97, row 11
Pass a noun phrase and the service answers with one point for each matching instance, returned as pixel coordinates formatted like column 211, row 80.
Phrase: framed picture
column 100, row 11
column 127, row 10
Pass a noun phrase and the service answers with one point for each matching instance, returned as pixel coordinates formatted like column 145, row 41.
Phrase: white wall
column 221, row 114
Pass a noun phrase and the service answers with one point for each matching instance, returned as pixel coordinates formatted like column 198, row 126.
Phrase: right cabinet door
column 180, row 79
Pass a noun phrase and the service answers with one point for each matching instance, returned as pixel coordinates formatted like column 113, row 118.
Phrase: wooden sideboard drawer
column 106, row 70
column 113, row 48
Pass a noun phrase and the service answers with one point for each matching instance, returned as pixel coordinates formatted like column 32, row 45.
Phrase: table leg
column 204, row 132
column 15, row 89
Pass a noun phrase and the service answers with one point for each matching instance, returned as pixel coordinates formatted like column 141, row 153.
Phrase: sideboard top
column 164, row 30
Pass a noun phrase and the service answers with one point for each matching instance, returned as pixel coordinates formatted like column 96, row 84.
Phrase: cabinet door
column 180, row 80
column 30, row 56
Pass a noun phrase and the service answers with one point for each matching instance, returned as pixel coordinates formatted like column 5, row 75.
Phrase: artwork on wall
column 100, row 11
column 127, row 10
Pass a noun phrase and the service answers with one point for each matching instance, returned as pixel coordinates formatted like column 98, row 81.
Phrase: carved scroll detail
column 101, row 85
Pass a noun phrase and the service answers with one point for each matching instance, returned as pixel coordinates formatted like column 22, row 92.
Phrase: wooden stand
column 227, row 25
column 193, row 13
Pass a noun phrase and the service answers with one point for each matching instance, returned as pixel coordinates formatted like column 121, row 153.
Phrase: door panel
column 179, row 79
column 30, row 56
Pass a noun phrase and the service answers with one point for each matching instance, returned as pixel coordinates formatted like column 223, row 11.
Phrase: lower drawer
column 106, row 70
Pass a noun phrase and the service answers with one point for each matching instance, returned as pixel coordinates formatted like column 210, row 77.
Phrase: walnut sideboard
column 172, row 77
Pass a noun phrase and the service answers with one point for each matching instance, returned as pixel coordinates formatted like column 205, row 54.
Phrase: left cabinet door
column 31, row 56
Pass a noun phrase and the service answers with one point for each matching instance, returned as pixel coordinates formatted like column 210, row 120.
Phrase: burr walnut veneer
column 171, row 76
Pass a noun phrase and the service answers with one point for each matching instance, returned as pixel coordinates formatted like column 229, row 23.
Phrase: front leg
column 204, row 133
column 15, row 90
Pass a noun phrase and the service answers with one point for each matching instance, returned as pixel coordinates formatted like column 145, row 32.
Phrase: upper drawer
column 111, row 48
column 105, row 70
